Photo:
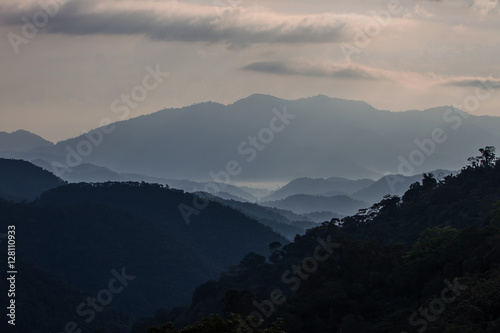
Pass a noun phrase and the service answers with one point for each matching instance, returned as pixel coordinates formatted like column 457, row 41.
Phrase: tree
column 487, row 156
column 485, row 160
column 275, row 256
column 429, row 182
column 252, row 260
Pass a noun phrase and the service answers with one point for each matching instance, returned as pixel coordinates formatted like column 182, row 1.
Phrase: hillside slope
column 94, row 228
column 21, row 180
column 429, row 261
column 173, row 142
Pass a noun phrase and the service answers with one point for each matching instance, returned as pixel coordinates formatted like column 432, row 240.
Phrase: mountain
column 392, row 185
column 256, row 192
column 304, row 204
column 429, row 261
column 282, row 221
column 228, row 191
column 323, row 216
column 94, row 228
column 21, row 180
column 90, row 173
column 85, row 172
column 229, row 196
column 319, row 186
column 251, row 140
column 21, row 141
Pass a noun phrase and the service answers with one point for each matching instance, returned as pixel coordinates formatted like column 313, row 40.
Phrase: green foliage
column 432, row 239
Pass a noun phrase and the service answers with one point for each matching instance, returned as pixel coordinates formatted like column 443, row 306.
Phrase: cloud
column 339, row 71
column 422, row 11
column 175, row 21
column 343, row 71
column 473, row 82
column 485, row 7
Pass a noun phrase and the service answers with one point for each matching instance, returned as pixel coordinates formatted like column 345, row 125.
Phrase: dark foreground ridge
column 428, row 261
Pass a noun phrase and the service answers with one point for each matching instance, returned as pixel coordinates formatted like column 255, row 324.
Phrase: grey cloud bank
column 202, row 25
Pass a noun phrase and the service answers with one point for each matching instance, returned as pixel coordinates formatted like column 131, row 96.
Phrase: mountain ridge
column 191, row 142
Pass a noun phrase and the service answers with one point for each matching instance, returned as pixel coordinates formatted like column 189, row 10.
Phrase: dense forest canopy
column 429, row 261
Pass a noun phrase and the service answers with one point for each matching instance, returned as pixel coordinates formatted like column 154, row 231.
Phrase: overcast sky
column 65, row 65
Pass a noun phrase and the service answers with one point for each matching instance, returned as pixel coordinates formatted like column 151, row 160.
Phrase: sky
column 67, row 67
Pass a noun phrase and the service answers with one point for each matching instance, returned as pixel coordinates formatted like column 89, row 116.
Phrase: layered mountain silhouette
column 285, row 222
column 319, row 186
column 306, row 203
column 265, row 138
column 21, row 180
column 393, row 185
column 386, row 268
column 21, row 141
column 82, row 230
column 90, row 173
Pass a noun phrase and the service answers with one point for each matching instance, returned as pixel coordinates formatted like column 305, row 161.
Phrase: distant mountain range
column 310, row 196
column 303, row 200
column 285, row 222
column 393, row 185
column 306, row 203
column 319, row 186
column 263, row 138
column 90, row 173
column 21, row 141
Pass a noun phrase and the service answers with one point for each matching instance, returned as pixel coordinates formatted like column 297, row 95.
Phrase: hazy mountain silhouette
column 319, row 186
column 305, row 203
column 327, row 136
column 322, row 216
column 90, row 173
column 86, row 172
column 387, row 266
column 229, row 196
column 21, row 141
column 393, row 185
column 284, row 222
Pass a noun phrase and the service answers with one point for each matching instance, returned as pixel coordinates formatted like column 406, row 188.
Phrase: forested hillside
column 429, row 261
column 81, row 232
column 21, row 180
